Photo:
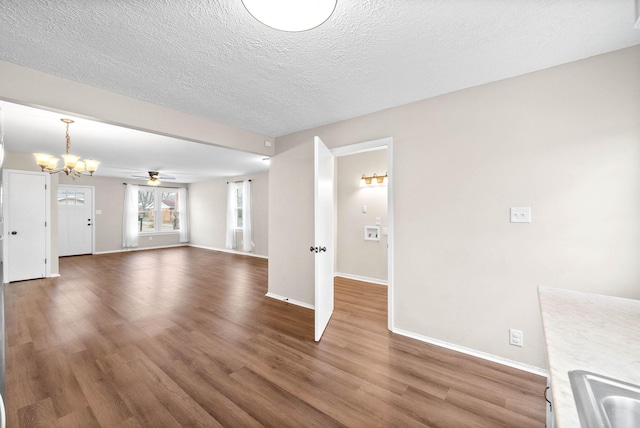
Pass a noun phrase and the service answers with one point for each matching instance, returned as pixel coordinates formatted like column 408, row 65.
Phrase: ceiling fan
column 154, row 178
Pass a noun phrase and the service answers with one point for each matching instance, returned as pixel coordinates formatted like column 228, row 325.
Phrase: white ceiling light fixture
column 291, row 15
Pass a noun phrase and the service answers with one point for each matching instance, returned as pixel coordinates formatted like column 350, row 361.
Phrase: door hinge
column 45, row 187
column 45, row 224
column 45, row 261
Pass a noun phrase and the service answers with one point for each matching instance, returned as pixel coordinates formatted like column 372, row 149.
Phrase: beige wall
column 354, row 255
column 208, row 202
column 109, row 198
column 564, row 141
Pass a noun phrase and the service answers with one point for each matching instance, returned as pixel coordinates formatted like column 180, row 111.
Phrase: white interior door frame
column 368, row 146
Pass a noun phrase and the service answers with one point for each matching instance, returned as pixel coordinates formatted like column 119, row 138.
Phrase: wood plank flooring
column 185, row 337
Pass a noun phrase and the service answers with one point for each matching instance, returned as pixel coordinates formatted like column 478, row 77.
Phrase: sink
column 604, row 402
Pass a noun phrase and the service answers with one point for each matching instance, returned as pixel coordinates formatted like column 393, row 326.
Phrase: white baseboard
column 474, row 353
column 361, row 278
column 293, row 302
column 226, row 250
column 126, row 250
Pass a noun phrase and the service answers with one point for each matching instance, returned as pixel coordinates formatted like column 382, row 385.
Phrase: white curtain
column 184, row 214
column 246, row 216
column 231, row 213
column 130, row 217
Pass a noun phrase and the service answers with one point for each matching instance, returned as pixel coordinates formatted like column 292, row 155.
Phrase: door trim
column 383, row 143
column 93, row 212
column 5, row 216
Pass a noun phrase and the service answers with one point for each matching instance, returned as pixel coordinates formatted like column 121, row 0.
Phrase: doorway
column 361, row 217
column 384, row 231
column 75, row 220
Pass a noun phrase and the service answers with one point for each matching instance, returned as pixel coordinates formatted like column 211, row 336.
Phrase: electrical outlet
column 516, row 337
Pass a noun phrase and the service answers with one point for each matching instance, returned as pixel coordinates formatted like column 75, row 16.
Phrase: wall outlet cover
column 520, row 215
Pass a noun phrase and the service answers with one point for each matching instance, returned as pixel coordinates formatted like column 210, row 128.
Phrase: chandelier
column 73, row 166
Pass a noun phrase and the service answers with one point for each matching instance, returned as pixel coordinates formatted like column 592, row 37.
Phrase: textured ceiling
column 212, row 59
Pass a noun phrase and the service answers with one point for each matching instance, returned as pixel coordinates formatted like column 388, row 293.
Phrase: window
column 158, row 210
column 238, row 208
column 239, row 216
column 70, row 197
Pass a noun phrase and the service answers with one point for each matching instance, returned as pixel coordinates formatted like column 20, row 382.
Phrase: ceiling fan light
column 153, row 182
column 291, row 15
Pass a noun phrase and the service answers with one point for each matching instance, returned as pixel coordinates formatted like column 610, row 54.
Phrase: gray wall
column 208, row 213
column 564, row 141
column 355, row 256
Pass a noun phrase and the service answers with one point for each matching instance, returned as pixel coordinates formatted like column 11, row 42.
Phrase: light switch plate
column 520, row 214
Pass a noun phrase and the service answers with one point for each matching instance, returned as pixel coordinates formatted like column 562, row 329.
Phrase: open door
column 323, row 246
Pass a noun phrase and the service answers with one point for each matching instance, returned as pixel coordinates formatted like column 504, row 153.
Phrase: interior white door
column 75, row 220
column 26, row 225
column 323, row 247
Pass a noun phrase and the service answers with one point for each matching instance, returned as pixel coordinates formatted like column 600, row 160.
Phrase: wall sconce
column 374, row 180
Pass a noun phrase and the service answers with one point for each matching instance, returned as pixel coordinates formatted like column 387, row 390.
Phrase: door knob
column 14, row 233
column 312, row 249
column 323, row 249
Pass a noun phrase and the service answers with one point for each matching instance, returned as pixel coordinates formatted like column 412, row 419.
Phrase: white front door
column 75, row 220
column 323, row 223
column 26, row 225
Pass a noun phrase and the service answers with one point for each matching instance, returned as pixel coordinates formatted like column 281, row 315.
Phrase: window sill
column 166, row 232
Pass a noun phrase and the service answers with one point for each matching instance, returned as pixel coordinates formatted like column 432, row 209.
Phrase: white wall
column 564, row 141
column 355, row 256
column 208, row 202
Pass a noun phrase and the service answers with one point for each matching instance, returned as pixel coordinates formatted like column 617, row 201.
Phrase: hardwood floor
column 185, row 337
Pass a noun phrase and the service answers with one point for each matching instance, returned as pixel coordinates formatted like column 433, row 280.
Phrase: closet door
column 26, row 225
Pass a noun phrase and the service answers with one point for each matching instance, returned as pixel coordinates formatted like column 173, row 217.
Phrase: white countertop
column 591, row 332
